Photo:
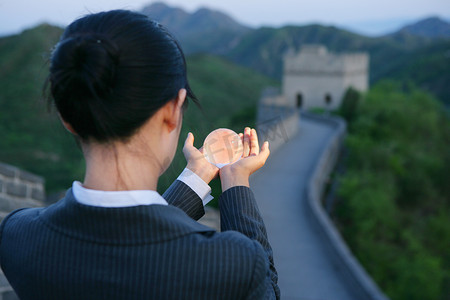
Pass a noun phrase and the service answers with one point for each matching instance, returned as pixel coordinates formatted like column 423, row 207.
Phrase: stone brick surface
column 7, row 170
column 9, row 295
column 37, row 194
column 2, row 215
column 3, row 281
column 16, row 204
column 315, row 77
column 6, row 292
column 16, row 189
column 30, row 177
column 211, row 218
column 14, row 185
column 5, row 204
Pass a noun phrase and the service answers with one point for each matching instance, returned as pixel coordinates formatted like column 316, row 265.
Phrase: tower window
column 299, row 100
column 328, row 99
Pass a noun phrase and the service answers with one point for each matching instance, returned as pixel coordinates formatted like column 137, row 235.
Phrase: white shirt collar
column 115, row 198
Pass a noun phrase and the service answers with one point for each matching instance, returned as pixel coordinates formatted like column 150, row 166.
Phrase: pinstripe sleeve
column 2, row 225
column 239, row 212
column 182, row 196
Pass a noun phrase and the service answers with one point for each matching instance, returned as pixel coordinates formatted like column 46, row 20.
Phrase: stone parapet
column 6, row 291
column 18, row 189
column 276, row 124
column 362, row 282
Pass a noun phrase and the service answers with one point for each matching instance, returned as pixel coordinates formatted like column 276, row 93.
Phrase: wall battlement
column 276, row 121
column 19, row 188
column 323, row 62
column 315, row 77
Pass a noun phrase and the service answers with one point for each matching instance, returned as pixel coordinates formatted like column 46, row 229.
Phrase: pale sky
column 368, row 17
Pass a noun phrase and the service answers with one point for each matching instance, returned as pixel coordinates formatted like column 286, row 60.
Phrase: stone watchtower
column 315, row 77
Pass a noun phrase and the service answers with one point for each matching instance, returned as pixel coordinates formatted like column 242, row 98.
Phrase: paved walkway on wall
column 6, row 292
column 305, row 268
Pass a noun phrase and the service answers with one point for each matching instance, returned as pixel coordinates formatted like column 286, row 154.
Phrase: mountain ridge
column 192, row 28
column 262, row 48
column 431, row 27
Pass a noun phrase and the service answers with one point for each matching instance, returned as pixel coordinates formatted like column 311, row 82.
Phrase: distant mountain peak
column 160, row 10
column 199, row 31
column 156, row 5
column 432, row 27
column 177, row 18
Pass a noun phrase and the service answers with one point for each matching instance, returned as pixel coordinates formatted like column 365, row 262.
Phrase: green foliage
column 318, row 110
column 395, row 199
column 350, row 103
column 427, row 67
column 33, row 138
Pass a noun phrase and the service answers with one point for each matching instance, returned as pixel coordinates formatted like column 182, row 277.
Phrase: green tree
column 350, row 103
column 395, row 199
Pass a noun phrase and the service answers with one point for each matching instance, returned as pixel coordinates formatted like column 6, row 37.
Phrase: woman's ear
column 181, row 97
column 67, row 125
column 173, row 115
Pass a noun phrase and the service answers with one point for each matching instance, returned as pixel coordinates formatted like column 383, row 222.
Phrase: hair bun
column 86, row 64
column 112, row 71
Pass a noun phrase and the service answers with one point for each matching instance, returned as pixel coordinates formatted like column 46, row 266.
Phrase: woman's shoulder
column 17, row 219
column 229, row 242
column 20, row 215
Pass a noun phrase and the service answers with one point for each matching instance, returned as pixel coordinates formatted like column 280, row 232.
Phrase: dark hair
column 111, row 71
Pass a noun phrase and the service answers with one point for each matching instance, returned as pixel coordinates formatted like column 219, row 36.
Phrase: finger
column 246, row 142
column 201, row 150
column 189, row 140
column 264, row 154
column 189, row 148
column 254, row 144
column 241, row 143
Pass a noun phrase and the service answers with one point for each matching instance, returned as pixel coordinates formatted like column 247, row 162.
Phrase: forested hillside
column 32, row 138
column 433, row 27
column 427, row 67
column 394, row 197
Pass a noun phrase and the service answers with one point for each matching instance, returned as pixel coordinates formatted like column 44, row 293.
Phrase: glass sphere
column 223, row 146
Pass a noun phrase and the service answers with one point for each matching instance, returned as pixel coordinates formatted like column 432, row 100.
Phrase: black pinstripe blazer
column 73, row 251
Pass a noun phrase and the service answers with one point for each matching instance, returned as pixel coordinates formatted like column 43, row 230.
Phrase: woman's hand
column 196, row 161
column 238, row 173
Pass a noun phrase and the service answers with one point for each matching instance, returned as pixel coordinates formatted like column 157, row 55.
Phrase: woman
column 118, row 81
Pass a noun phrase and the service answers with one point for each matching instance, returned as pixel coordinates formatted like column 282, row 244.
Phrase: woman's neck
column 119, row 167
